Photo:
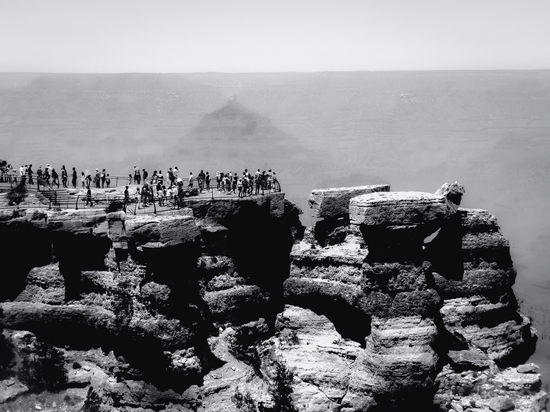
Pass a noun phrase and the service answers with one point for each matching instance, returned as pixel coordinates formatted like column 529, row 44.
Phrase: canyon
column 389, row 300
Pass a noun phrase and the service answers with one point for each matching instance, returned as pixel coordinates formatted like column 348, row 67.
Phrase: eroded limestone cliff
column 392, row 299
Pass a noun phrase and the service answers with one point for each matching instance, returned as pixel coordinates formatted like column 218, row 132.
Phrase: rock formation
column 391, row 300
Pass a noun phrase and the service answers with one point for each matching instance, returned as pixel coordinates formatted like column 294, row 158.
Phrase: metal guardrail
column 159, row 203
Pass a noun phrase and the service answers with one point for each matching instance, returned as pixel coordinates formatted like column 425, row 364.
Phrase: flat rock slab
column 162, row 231
column 398, row 208
column 327, row 203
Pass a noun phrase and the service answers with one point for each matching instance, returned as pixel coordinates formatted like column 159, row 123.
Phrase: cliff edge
column 391, row 299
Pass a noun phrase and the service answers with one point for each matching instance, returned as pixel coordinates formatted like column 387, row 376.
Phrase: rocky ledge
column 391, row 300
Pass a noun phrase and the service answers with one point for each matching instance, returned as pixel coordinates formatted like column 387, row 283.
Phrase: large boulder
column 453, row 192
column 398, row 209
column 44, row 285
column 395, row 224
column 84, row 221
column 153, row 232
column 333, row 203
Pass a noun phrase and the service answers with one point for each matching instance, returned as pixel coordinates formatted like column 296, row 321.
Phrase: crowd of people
column 48, row 176
column 170, row 189
column 166, row 189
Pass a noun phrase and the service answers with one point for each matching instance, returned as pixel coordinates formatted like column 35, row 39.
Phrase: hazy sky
column 111, row 36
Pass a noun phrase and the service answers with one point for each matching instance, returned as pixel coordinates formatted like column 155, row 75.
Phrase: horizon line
column 280, row 72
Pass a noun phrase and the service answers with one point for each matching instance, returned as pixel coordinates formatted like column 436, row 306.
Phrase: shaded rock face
column 151, row 289
column 391, row 300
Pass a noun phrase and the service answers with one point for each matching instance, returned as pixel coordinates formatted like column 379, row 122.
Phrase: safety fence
column 49, row 198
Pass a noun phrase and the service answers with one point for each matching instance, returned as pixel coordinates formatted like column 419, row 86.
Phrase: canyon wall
column 391, row 299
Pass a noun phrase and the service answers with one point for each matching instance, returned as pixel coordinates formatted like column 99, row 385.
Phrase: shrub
column 244, row 402
column 92, row 402
column 114, row 206
column 281, row 390
column 123, row 306
column 17, row 194
column 244, row 342
column 43, row 368
column 6, row 356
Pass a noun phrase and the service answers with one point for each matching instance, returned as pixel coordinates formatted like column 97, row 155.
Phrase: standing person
column 89, row 197
column 29, row 172
column 74, row 177
column 269, row 180
column 158, row 188
column 191, row 180
column 257, row 182
column 263, row 180
column 108, row 180
column 201, row 180
column 97, row 179
column 126, row 198
column 180, row 196
column 145, row 174
column 136, row 173
column 83, row 179
column 170, row 177
column 227, row 180
column 235, row 182
column 64, row 176
column 129, row 178
column 161, row 178
column 245, row 184
column 240, row 187
column 103, row 176
column 207, row 180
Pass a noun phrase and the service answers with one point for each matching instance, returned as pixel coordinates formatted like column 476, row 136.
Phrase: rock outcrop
column 392, row 299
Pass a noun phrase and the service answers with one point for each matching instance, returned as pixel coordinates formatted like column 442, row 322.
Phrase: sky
column 185, row 36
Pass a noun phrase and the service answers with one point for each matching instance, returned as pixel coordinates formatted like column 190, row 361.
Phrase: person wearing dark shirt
column 55, row 178
column 126, row 198
column 29, row 172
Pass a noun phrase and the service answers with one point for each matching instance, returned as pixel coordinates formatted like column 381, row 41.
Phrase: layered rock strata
column 422, row 284
column 391, row 300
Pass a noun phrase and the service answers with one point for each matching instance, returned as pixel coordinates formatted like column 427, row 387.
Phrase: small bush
column 244, row 402
column 114, row 206
column 7, row 357
column 281, row 390
column 43, row 368
column 123, row 306
column 93, row 401
column 17, row 194
column 245, row 340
